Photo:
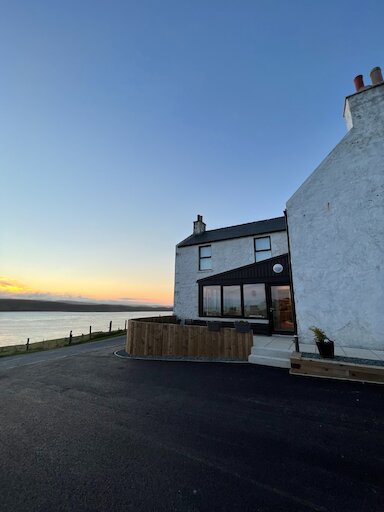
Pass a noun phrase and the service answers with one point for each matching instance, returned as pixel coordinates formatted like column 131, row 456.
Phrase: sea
column 17, row 326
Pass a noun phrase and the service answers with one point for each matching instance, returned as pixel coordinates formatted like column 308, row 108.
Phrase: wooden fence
column 157, row 337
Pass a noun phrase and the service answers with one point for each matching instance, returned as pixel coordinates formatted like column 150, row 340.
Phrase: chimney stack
column 376, row 76
column 198, row 226
column 359, row 83
column 361, row 108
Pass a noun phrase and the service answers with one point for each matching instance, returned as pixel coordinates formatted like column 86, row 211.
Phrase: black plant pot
column 326, row 349
column 214, row 326
column 242, row 326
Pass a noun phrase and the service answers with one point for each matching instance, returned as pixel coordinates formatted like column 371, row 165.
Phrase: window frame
column 205, row 257
column 259, row 251
column 222, row 315
column 240, row 286
column 252, row 317
column 221, row 300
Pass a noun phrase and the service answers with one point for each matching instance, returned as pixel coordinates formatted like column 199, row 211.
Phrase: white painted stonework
column 336, row 231
column 226, row 255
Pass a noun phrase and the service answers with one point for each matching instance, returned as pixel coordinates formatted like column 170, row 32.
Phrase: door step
column 279, row 352
column 270, row 360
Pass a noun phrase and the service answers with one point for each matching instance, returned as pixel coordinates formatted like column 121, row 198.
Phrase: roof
column 260, row 272
column 250, row 229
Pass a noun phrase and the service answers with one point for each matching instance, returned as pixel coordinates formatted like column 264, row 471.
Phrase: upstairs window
column 263, row 248
column 205, row 258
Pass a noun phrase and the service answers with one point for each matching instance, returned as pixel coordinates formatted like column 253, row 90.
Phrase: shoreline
column 39, row 346
column 28, row 305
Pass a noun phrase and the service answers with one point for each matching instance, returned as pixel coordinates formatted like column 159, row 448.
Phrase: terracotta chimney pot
column 359, row 83
column 376, row 76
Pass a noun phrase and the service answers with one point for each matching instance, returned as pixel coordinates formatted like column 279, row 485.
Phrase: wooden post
column 27, row 344
column 70, row 338
column 90, row 331
column 110, row 326
column 125, row 326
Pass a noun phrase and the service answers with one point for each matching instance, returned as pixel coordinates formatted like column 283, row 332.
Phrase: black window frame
column 241, row 301
column 204, row 257
column 261, row 250
column 222, row 315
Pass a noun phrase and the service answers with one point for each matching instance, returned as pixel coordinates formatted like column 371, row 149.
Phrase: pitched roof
column 250, row 229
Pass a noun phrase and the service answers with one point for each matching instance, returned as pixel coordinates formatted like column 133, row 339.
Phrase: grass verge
column 13, row 350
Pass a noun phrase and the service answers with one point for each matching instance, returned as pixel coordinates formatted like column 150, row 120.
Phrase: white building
column 336, row 230
column 336, row 247
column 227, row 275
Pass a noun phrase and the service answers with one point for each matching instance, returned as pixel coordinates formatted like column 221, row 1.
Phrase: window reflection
column 255, row 304
column 263, row 248
column 211, row 301
column 205, row 257
column 231, row 300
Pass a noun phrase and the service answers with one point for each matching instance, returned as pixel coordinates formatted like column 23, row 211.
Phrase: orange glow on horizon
column 98, row 291
column 10, row 285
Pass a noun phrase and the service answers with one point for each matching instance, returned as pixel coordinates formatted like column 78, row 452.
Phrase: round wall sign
column 278, row 268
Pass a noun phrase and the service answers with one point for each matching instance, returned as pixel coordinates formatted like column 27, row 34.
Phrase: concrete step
column 278, row 362
column 283, row 353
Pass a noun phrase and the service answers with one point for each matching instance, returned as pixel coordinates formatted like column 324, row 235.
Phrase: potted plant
column 325, row 346
column 242, row 326
column 214, row 326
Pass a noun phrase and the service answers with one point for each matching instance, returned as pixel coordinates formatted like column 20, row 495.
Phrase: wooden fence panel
column 157, row 337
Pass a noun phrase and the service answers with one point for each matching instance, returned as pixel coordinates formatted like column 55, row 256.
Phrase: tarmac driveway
column 92, row 432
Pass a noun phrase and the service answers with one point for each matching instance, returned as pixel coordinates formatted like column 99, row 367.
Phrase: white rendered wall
column 336, row 231
column 226, row 255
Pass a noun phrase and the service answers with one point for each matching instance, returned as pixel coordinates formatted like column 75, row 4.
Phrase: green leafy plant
column 319, row 335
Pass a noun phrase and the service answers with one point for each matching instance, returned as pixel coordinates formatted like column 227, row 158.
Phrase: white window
column 205, row 258
column 263, row 248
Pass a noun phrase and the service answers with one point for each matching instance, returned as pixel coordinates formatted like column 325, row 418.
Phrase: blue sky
column 122, row 120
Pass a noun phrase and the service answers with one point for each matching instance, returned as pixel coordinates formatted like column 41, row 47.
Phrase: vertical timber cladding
column 149, row 338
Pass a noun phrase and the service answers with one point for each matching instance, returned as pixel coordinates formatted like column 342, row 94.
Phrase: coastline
column 39, row 346
column 13, row 305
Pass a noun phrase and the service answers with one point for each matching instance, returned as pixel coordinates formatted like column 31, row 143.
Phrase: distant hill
column 47, row 305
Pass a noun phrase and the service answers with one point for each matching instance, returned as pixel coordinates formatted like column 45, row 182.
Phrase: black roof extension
column 260, row 272
column 250, row 229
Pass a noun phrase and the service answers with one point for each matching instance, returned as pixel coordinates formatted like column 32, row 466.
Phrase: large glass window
column 232, row 300
column 212, row 300
column 263, row 248
column 205, row 258
column 255, row 304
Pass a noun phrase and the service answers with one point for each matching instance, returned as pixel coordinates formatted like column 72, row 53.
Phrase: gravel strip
column 345, row 359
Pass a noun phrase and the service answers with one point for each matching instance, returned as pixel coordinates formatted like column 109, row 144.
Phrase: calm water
column 17, row 326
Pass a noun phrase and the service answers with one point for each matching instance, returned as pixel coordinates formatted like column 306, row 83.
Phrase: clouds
column 11, row 286
column 133, row 299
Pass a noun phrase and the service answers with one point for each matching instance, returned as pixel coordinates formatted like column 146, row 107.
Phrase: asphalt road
column 88, row 431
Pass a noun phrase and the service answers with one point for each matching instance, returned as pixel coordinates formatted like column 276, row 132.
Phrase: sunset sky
column 122, row 120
